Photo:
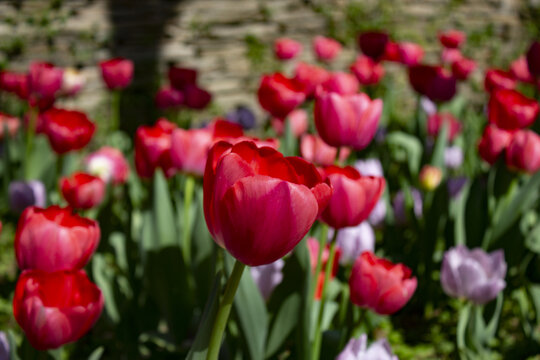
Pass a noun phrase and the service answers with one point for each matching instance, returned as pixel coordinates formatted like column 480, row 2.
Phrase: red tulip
column 462, row 68
column 498, row 79
column 326, row 49
column 523, row 152
column 309, row 77
column 16, row 83
column 44, row 80
column 82, row 191
column 533, row 59
column 286, row 49
column 436, row 121
column 189, row 148
column 410, row 53
column 297, row 120
column 373, row 44
column 67, row 130
column 54, row 239
column 109, row 164
column 349, row 120
column 168, row 97
column 391, row 53
column 341, row 83
column 279, row 95
column 520, row 70
column 56, row 308
column 380, row 285
column 452, row 38
column 117, row 73
column 248, row 190
column 367, row 71
column 313, row 248
column 315, row 150
column 9, row 123
column 493, row 142
column 434, row 82
column 153, row 149
column 182, row 77
column 196, row 97
column 509, row 109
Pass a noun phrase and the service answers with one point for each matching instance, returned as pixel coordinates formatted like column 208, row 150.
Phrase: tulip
column 520, row 70
column 357, row 349
column 462, row 68
column 54, row 239
column 452, row 38
column 400, row 211
column 367, row 71
column 473, row 274
column 16, row 83
column 72, row 82
column 297, row 120
column 347, row 120
column 450, row 56
column 168, row 97
column 242, row 116
column 5, row 350
column 11, row 123
column 455, row 185
column 533, row 59
column 109, row 164
column 380, row 285
column 248, row 190
column 430, row 177
column 326, row 49
column 286, row 49
column 499, row 79
column 56, row 308
column 391, row 53
column 313, row 248
column 341, row 83
column 315, row 150
column 152, row 149
column 373, row 167
column 82, row 191
column 196, row 97
column 432, row 81
column 44, row 80
column 373, row 44
column 353, row 241
column 510, row 109
column 67, row 130
column 428, row 106
column 309, row 77
column 523, row 152
column 267, row 277
column 436, row 121
column 279, row 95
column 493, row 142
column 23, row 194
column 117, row 73
column 180, row 78
column 453, row 157
column 354, row 196
column 410, row 53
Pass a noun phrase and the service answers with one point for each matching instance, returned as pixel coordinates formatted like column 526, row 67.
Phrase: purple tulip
column 243, row 116
column 453, row 157
column 267, row 277
column 357, row 349
column 4, row 347
column 455, row 185
column 473, row 274
column 400, row 212
column 428, row 106
column 26, row 193
column 373, row 167
column 353, row 241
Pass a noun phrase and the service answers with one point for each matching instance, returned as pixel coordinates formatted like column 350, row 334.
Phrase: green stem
column 318, row 267
column 318, row 331
column 59, row 166
column 189, row 188
column 115, row 110
column 30, row 134
column 224, row 311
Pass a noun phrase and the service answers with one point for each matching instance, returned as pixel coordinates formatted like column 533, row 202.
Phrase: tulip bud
column 452, row 38
column 267, row 277
column 196, row 97
column 309, row 77
column 286, row 49
column 523, row 152
column 82, row 191
column 455, row 185
column 279, row 95
column 24, row 194
column 473, row 274
column 109, row 164
column 117, row 73
column 430, row 177
column 356, row 349
column 367, row 71
column 499, row 79
column 326, row 49
column 450, row 56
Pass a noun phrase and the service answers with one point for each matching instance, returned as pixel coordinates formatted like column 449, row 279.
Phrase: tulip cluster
column 182, row 90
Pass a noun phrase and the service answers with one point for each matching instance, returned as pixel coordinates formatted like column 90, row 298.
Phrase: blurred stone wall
column 229, row 41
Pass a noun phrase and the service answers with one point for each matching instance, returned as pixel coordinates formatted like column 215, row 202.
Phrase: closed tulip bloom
column 341, row 83
column 11, row 123
column 117, row 73
column 353, row 241
column 109, row 164
column 72, row 82
column 168, row 97
column 297, row 120
column 315, row 150
column 533, row 59
column 473, row 274
column 357, row 349
column 54, row 239
column 435, row 82
column 373, row 44
column 380, row 285
column 493, row 142
column 82, row 191
column 152, row 149
column 452, row 38
column 326, row 49
column 391, row 53
column 510, row 109
column 286, row 49
column 354, row 196
column 523, row 152
column 436, row 121
column 267, row 277
column 347, row 120
column 248, row 190
column 462, row 68
column 309, row 77
column 196, row 98
column 180, row 77
column 279, row 95
column 44, row 80
column 520, row 70
column 23, row 194
column 56, row 308
column 499, row 79
column 430, row 177
column 367, row 71
column 410, row 53
column 67, row 130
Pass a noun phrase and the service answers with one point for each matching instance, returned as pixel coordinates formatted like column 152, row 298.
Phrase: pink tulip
column 367, row 71
column 436, row 121
column 462, row 68
column 286, row 49
column 279, row 95
column 117, row 73
column 109, row 164
column 410, row 53
column 315, row 150
column 326, row 49
column 450, row 56
column 341, row 83
column 520, row 70
column 309, row 77
column 523, row 152
column 297, row 120
column 44, row 80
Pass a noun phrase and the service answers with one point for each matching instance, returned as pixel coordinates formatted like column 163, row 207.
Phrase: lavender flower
column 428, row 106
column 4, row 347
column 357, row 349
column 373, row 167
column 242, row 116
column 353, row 241
column 26, row 193
column 400, row 212
column 453, row 157
column 267, row 277
column 473, row 274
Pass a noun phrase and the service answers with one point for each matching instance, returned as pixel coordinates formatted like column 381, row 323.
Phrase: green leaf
column 437, row 159
column 284, row 323
column 163, row 218
column 96, row 354
column 13, row 355
column 532, row 241
column 104, row 276
column 406, row 148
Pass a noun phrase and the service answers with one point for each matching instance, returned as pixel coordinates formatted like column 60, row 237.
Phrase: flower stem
column 189, row 188
column 115, row 110
column 322, row 244
column 224, row 311
column 59, row 166
column 30, row 134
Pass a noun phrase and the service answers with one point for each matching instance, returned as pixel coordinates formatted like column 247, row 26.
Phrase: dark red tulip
column 493, row 142
column 435, row 123
column 309, row 77
column 182, row 77
column 67, row 130
column 354, row 196
column 523, row 152
column 510, row 109
column 117, row 73
column 279, row 95
column 434, row 82
column 373, row 44
column 196, row 97
column 82, row 191
column 54, row 239
column 367, row 71
column 248, row 190
column 499, row 79
column 56, row 308
column 462, row 68
column 533, row 59
column 168, row 97
column 153, row 149
column 452, row 38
